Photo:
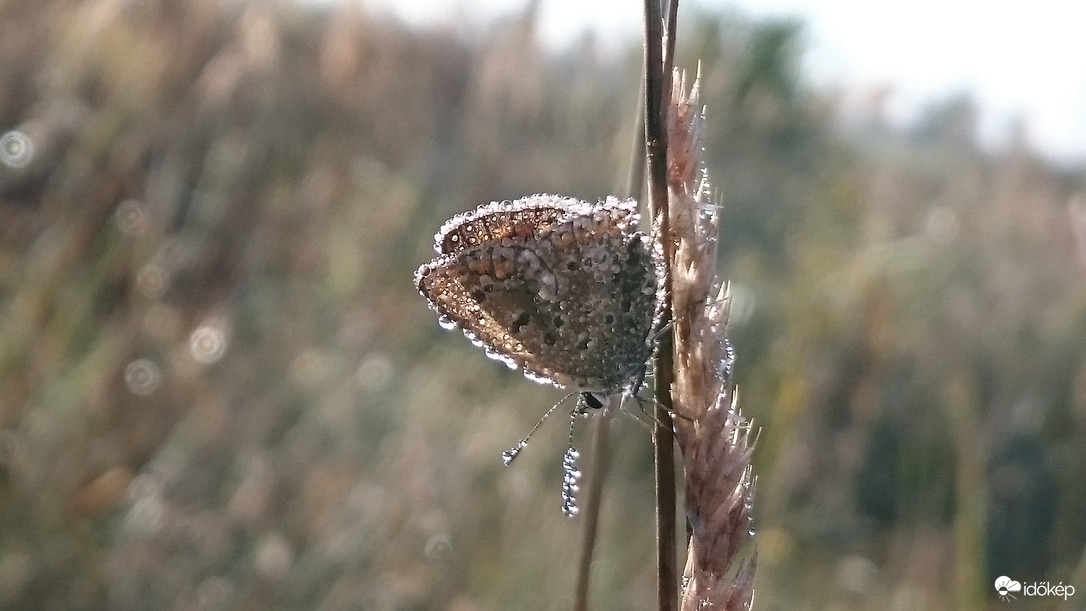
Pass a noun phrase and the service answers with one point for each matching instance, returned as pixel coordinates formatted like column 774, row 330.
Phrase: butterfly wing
column 571, row 301
column 496, row 222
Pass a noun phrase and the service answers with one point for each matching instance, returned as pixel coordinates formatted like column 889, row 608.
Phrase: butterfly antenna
column 572, row 475
column 509, row 455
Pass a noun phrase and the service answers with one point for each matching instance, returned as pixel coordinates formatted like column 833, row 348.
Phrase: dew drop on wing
column 539, row 379
column 491, row 353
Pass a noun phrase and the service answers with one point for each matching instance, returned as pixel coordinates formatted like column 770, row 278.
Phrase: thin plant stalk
column 601, row 460
column 657, row 88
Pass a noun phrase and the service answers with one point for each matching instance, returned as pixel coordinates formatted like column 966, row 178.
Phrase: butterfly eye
column 592, row 400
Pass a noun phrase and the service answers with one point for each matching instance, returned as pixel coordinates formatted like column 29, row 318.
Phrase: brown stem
column 601, row 455
column 657, row 90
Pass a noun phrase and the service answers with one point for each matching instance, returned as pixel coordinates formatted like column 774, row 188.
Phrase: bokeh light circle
column 207, row 344
column 16, row 149
column 142, row 377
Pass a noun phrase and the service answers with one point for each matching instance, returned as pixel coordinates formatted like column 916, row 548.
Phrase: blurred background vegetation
column 219, row 389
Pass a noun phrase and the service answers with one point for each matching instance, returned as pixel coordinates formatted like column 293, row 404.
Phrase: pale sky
column 1016, row 59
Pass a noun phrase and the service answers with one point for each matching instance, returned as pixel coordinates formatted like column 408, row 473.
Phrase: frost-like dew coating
column 564, row 289
column 570, row 485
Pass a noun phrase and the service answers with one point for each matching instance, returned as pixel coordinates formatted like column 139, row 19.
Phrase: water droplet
column 142, row 377
column 570, row 482
column 509, row 455
column 538, row 378
column 728, row 363
column 16, row 149
column 207, row 344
